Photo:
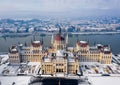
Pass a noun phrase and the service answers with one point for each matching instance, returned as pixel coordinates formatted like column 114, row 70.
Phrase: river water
column 112, row 40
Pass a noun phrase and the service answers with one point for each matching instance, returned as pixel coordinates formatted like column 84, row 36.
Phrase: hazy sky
column 33, row 8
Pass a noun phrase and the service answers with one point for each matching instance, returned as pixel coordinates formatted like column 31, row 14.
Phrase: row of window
column 14, row 57
column 106, row 57
column 59, row 70
column 59, row 64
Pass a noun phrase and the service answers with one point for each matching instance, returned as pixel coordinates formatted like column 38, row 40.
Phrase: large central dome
column 58, row 37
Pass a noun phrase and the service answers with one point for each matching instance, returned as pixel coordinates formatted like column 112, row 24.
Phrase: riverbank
column 50, row 33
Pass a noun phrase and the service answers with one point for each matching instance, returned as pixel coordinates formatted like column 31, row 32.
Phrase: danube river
column 113, row 40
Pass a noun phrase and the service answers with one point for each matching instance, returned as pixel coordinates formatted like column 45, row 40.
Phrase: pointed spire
column 88, row 40
column 52, row 39
column 67, row 39
column 25, row 44
column 31, row 41
column 94, row 43
column 77, row 40
column 9, row 49
column 59, row 30
column 33, row 37
column 42, row 41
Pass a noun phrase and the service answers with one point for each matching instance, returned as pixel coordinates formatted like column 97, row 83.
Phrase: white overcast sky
column 55, row 7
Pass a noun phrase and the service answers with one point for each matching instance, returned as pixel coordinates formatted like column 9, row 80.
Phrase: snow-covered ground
column 19, row 80
column 95, row 68
column 27, row 68
column 104, row 80
column 2, row 68
column 92, row 70
column 116, row 58
column 4, row 58
column 23, row 80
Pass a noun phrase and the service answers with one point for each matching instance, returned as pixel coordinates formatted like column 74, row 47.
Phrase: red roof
column 59, row 37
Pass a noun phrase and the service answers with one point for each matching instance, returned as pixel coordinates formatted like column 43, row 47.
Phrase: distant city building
column 111, row 24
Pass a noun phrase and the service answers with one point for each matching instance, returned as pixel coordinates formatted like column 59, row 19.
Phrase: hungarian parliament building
column 59, row 58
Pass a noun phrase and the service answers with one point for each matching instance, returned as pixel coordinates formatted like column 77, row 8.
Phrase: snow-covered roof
column 70, row 55
column 99, row 45
column 83, row 42
column 94, row 49
column 59, row 58
column 106, row 49
column 14, row 49
column 33, row 63
column 25, row 48
column 47, row 60
column 4, row 57
column 71, row 60
column 60, row 53
column 20, row 45
column 36, row 41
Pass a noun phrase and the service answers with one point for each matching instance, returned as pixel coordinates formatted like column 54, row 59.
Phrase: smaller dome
column 59, row 37
column 82, row 43
column 36, row 43
column 13, row 49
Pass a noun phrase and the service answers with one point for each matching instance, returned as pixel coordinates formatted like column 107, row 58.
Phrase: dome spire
column 52, row 39
column 67, row 39
column 59, row 30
